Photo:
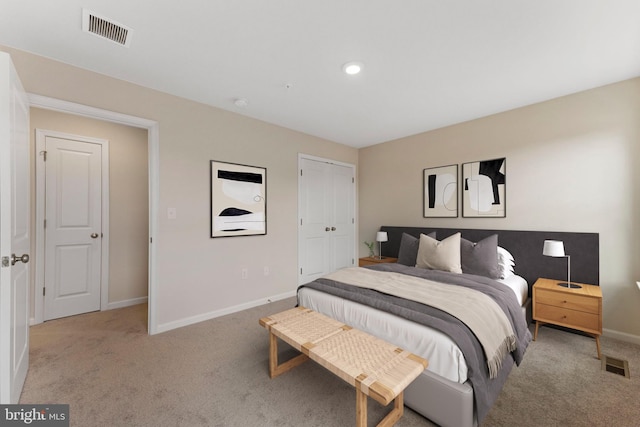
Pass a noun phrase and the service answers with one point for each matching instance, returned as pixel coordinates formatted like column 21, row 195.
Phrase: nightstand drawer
column 570, row 318
column 569, row 301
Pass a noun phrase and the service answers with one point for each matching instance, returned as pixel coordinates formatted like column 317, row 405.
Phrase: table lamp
column 555, row 248
column 381, row 237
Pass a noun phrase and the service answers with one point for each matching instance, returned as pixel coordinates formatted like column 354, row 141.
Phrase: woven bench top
column 379, row 369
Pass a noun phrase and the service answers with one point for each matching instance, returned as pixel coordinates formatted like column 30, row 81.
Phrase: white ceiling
column 427, row 63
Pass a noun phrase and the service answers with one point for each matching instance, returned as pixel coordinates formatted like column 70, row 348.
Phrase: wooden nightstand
column 374, row 260
column 579, row 309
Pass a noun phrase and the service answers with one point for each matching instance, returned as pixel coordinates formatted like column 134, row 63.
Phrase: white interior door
column 342, row 234
column 315, row 210
column 73, row 226
column 14, row 233
column 326, row 218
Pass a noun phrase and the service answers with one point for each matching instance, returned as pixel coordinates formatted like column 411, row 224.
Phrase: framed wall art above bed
column 238, row 200
column 484, row 189
column 440, row 192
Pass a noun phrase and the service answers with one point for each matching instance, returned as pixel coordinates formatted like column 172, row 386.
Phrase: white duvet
column 444, row 356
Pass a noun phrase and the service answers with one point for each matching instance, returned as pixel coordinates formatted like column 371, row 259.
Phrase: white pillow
column 505, row 254
column 505, row 263
column 440, row 255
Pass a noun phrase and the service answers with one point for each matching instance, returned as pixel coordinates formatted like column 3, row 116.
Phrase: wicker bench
column 374, row 367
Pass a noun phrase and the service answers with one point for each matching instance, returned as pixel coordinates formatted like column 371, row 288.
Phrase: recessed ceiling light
column 352, row 67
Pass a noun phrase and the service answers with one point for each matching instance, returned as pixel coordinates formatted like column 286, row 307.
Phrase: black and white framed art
column 484, row 189
column 238, row 200
column 440, row 192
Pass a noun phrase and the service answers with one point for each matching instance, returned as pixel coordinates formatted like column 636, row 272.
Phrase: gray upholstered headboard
column 526, row 248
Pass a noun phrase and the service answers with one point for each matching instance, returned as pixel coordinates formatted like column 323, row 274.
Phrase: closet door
column 326, row 218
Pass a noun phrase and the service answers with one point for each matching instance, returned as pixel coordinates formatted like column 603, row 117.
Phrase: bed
column 444, row 393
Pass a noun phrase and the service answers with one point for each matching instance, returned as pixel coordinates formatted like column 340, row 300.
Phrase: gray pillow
column 480, row 258
column 409, row 249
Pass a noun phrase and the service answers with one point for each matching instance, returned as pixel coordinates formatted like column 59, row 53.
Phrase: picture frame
column 440, row 192
column 484, row 189
column 238, row 203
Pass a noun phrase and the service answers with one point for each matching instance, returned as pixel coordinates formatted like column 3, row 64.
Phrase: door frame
column 153, row 143
column 301, row 157
column 41, row 135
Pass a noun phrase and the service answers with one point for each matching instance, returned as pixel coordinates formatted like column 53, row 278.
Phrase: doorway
column 153, row 141
column 72, row 223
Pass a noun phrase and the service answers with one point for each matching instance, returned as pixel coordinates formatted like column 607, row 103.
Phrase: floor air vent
column 106, row 28
column 615, row 366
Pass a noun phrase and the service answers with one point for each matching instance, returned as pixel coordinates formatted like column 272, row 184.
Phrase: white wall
column 200, row 277
column 571, row 166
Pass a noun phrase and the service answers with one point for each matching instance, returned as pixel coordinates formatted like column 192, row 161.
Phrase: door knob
column 94, row 235
column 24, row 258
column 333, row 229
column 327, row 229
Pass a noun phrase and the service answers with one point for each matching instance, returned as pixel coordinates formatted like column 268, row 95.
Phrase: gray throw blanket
column 488, row 323
column 486, row 390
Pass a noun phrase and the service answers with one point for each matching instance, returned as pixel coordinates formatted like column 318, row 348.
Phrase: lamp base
column 569, row 285
column 380, row 257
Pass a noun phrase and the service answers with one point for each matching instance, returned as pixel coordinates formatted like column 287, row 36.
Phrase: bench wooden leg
column 361, row 409
column 390, row 420
column 274, row 368
column 396, row 413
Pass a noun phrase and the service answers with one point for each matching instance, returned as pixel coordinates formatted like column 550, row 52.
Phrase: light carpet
column 215, row 373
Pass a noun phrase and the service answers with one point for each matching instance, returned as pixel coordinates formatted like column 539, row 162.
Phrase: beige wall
column 571, row 166
column 197, row 275
column 128, row 197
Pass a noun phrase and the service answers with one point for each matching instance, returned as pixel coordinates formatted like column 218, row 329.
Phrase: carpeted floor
column 215, row 373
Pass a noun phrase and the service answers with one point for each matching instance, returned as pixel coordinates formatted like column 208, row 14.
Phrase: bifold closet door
column 327, row 218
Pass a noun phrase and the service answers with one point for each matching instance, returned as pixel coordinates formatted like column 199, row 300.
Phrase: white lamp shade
column 382, row 236
column 553, row 248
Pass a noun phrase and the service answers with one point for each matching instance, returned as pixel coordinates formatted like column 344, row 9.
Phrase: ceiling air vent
column 106, row 28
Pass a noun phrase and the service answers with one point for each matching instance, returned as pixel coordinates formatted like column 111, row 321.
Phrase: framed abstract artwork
column 238, row 200
column 440, row 192
column 484, row 189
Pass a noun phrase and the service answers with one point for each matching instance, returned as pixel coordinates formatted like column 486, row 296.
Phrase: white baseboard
column 213, row 314
column 110, row 306
column 622, row 336
column 126, row 303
